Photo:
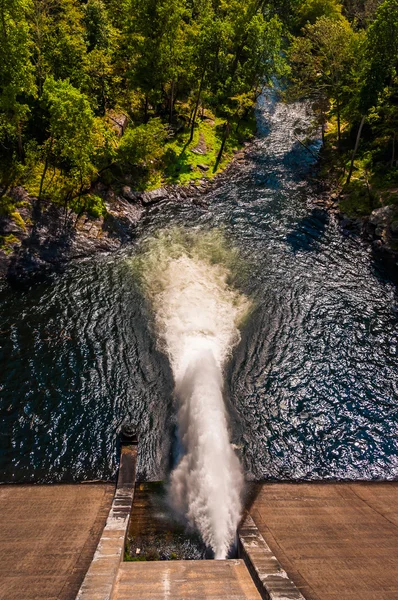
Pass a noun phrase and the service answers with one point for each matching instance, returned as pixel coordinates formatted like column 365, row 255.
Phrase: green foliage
column 325, row 64
column 349, row 69
column 91, row 204
column 71, row 123
column 17, row 85
column 98, row 29
column 67, row 65
column 181, row 164
column 311, row 10
column 381, row 54
column 60, row 41
column 7, row 242
column 143, row 145
column 357, row 201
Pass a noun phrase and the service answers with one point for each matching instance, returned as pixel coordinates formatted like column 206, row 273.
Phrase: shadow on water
column 308, row 231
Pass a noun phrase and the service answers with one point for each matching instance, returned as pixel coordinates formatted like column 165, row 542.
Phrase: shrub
column 143, row 145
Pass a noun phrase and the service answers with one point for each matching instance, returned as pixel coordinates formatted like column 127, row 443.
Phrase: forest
column 128, row 91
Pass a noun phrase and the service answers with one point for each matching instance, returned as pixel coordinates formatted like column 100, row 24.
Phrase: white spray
column 197, row 315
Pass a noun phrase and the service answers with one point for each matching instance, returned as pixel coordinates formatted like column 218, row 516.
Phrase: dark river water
column 312, row 388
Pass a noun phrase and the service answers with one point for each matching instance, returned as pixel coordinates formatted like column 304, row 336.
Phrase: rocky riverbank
column 379, row 228
column 39, row 246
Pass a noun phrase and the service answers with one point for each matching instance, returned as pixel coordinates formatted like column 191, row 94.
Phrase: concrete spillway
column 257, row 575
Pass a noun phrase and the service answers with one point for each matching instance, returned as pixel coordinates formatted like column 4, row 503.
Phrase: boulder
column 159, row 195
column 203, row 167
column 382, row 216
column 379, row 231
column 377, row 245
column 19, row 194
column 201, row 147
column 9, row 227
column 130, row 194
column 394, row 228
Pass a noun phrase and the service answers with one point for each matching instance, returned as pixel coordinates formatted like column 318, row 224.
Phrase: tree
column 361, row 12
column 205, row 35
column 380, row 64
column 17, row 85
column 73, row 138
column 60, row 40
column 248, row 55
column 324, row 64
column 65, row 64
column 101, row 38
column 155, row 38
column 309, row 11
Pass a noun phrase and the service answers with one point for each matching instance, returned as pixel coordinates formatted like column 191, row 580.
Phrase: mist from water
column 188, row 278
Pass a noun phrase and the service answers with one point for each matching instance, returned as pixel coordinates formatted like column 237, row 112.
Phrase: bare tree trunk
column 224, row 139
column 393, row 150
column 338, row 127
column 323, row 121
column 21, row 152
column 355, row 149
column 171, row 102
column 43, row 176
column 196, row 106
column 190, row 117
column 67, row 198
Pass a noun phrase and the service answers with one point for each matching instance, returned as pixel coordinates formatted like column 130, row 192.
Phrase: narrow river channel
column 312, row 388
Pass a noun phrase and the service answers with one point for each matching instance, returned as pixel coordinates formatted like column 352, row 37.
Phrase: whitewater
column 197, row 313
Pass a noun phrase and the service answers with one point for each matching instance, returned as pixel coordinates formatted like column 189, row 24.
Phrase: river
column 312, row 388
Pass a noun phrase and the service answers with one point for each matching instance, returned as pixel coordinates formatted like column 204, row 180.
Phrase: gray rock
column 377, row 245
column 8, row 226
column 130, row 194
column 381, row 216
column 18, row 193
column 379, row 231
column 119, row 122
column 159, row 195
column 203, row 167
column 394, row 228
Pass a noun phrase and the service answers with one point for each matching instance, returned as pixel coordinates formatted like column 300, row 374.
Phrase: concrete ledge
column 271, row 580
column 185, row 580
column 100, row 578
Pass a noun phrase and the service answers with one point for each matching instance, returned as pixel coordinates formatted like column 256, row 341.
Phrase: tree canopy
column 71, row 69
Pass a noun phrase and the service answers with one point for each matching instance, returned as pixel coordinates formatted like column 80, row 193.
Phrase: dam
column 312, row 541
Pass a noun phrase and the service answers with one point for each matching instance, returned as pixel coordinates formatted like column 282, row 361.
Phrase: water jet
column 197, row 314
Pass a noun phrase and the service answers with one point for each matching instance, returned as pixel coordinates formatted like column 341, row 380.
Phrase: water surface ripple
column 312, row 388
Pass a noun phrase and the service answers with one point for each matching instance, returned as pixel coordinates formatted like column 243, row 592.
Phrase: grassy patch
column 181, row 164
column 90, row 204
column 7, row 206
column 7, row 243
column 18, row 220
column 357, row 201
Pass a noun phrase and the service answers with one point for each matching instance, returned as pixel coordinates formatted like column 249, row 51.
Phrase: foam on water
column 197, row 314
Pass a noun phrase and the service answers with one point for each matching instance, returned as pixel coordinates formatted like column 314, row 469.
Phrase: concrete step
column 185, row 580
